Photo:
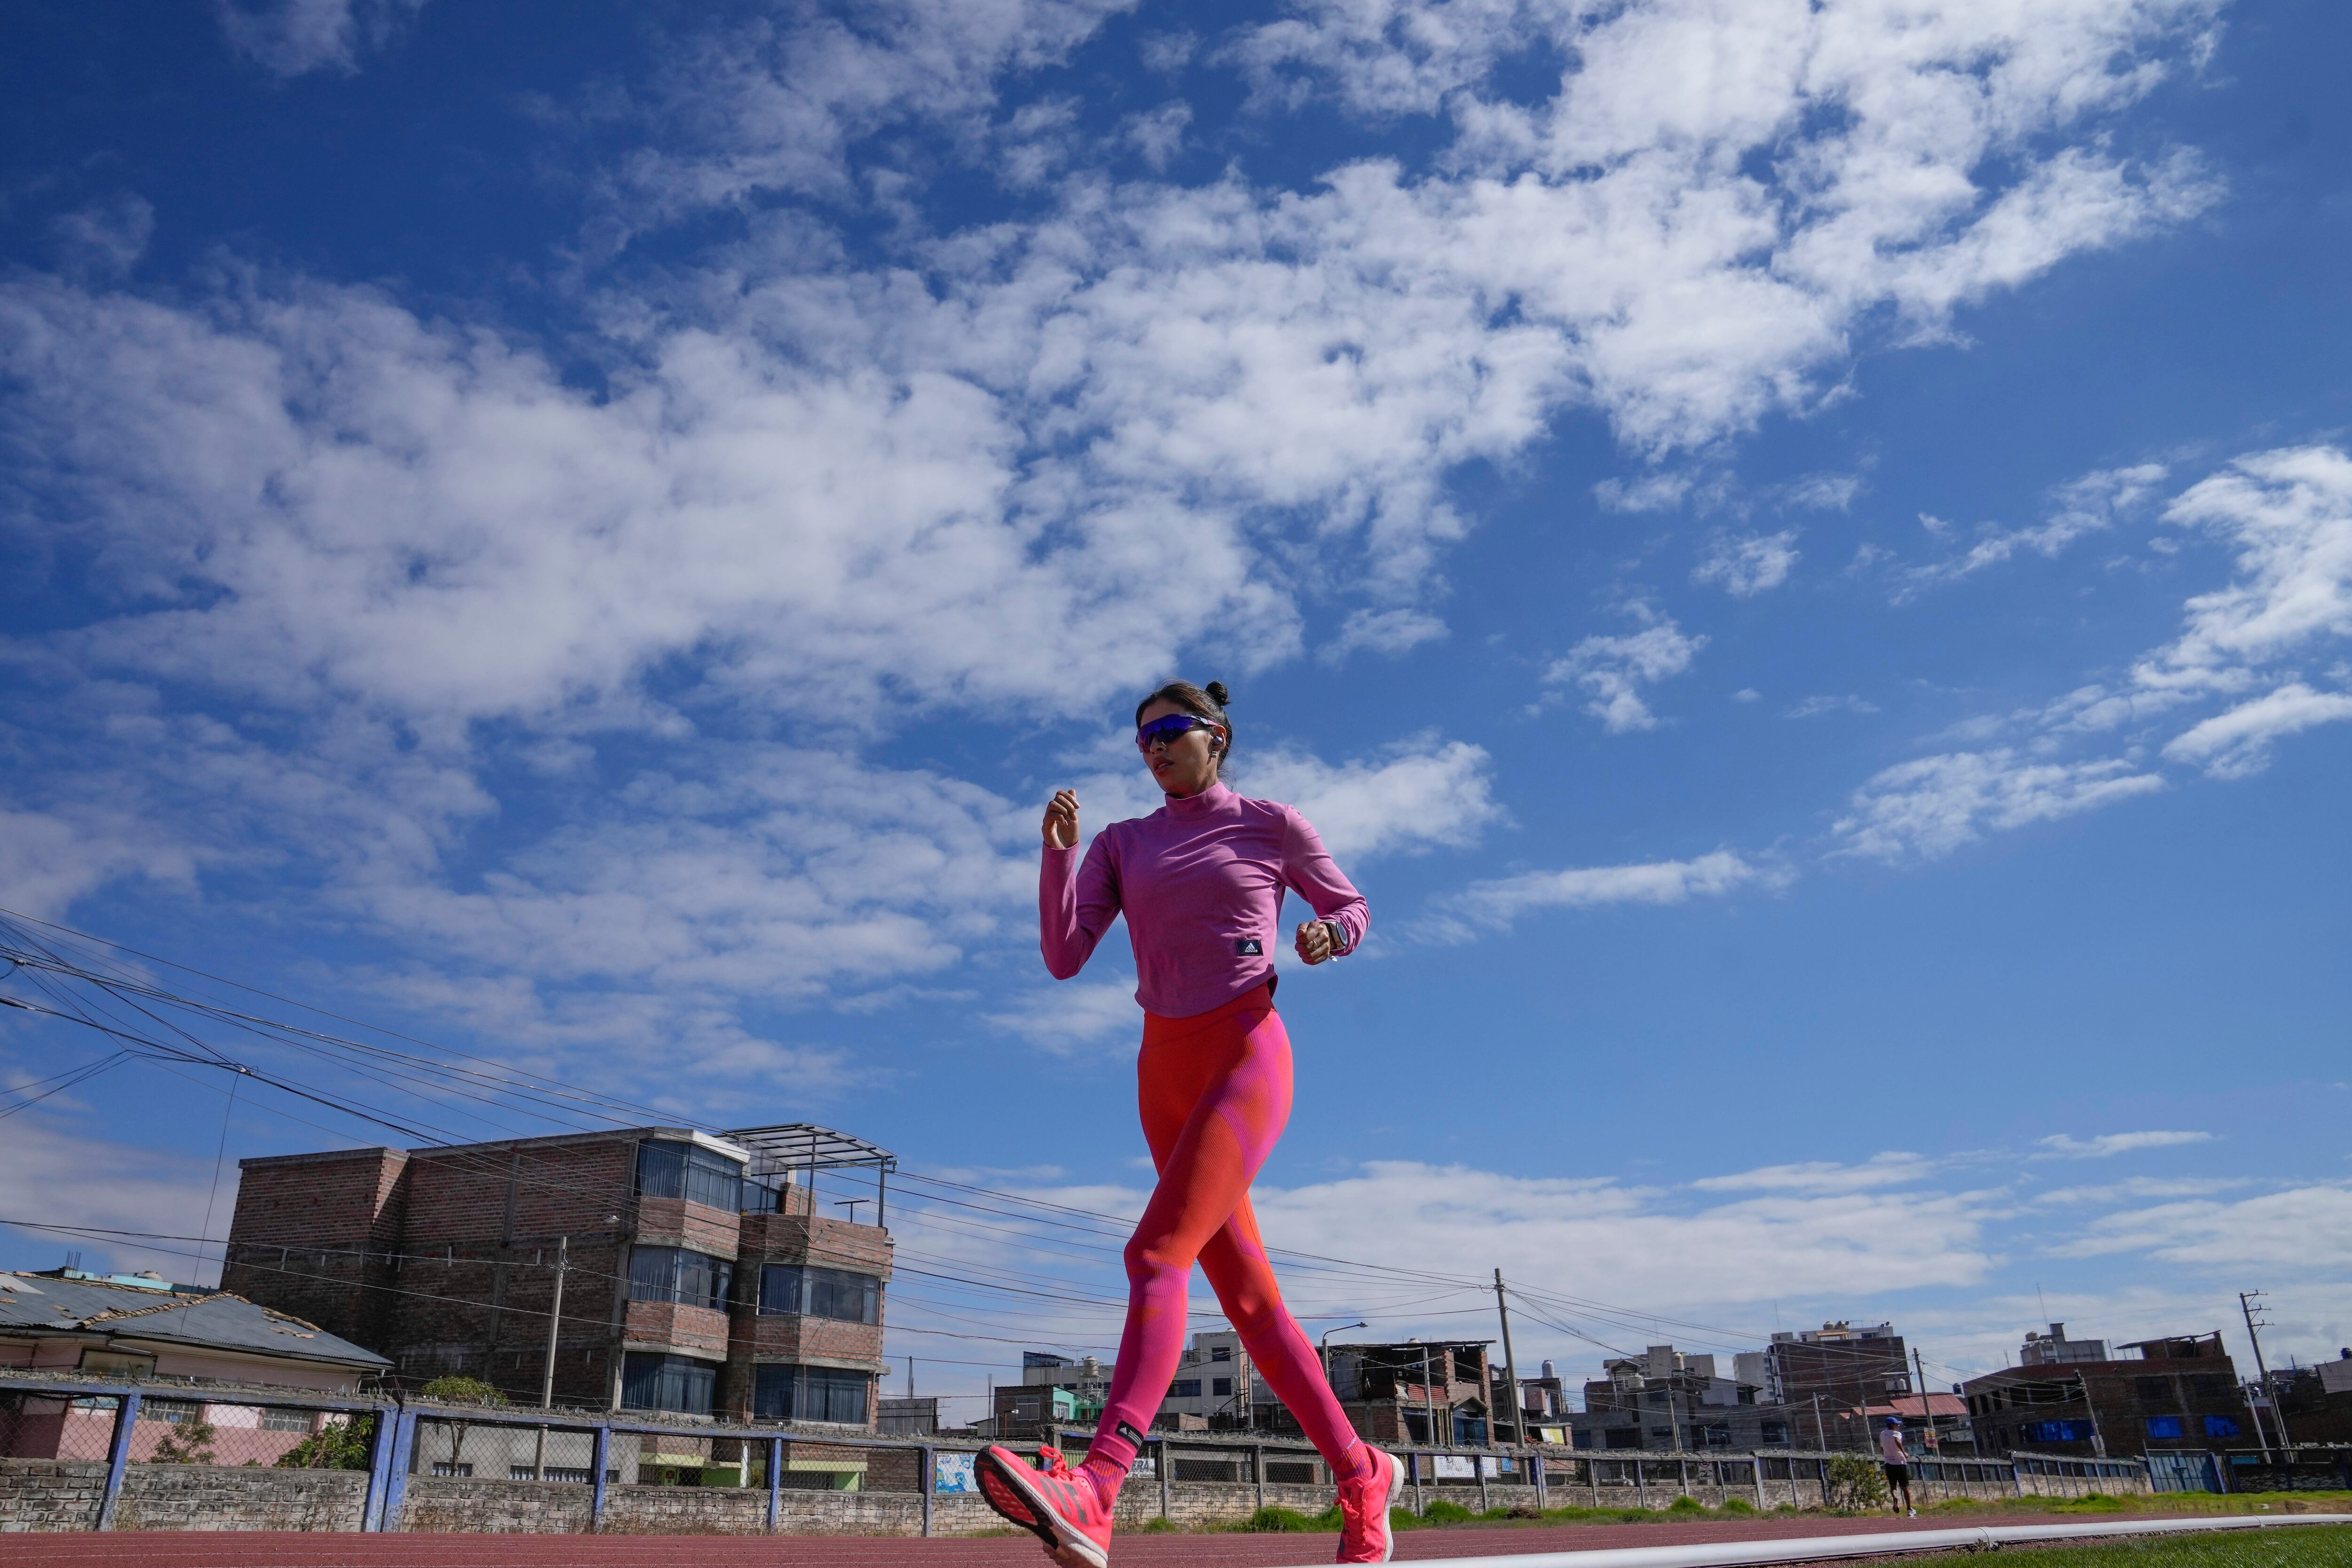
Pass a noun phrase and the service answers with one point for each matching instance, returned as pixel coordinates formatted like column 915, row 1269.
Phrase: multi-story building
column 2177, row 1394
column 1405, row 1393
column 1668, row 1400
column 1216, row 1382
column 698, row 1274
column 1843, row 1364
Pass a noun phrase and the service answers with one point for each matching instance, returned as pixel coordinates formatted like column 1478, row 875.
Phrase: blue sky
column 1801, row 554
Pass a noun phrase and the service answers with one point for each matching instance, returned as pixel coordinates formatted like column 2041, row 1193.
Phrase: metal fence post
column 1166, row 1466
column 776, row 1487
column 126, row 1420
column 925, row 1456
column 379, row 1470
column 1536, row 1474
column 1257, row 1470
column 395, row 1481
column 1480, row 1461
column 601, row 1458
column 1413, row 1458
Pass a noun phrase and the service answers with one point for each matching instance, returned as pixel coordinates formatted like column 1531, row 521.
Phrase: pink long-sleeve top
column 1201, row 883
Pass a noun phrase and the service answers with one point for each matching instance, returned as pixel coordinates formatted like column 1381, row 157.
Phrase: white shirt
column 1890, row 1447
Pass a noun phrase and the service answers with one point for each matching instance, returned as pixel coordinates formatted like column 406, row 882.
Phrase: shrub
column 1686, row 1504
column 461, row 1391
column 189, row 1445
column 1738, row 1505
column 340, row 1444
column 1854, row 1483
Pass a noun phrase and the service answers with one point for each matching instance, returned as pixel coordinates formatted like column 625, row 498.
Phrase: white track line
column 1800, row 1549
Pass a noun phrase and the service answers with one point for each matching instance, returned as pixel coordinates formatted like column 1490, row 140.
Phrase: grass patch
column 2305, row 1546
column 1686, row 1505
column 1445, row 1510
column 1274, row 1520
column 1738, row 1505
column 1157, row 1526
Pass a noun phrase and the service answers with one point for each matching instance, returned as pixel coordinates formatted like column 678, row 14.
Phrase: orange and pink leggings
column 1215, row 1094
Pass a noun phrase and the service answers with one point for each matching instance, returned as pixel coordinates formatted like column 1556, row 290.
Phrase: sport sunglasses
column 1168, row 728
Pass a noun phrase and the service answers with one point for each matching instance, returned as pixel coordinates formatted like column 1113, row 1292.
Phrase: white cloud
column 1814, row 707
column 1158, row 136
column 1069, row 1019
column 2288, row 513
column 292, row 38
column 1564, row 1235
column 103, row 241
column 2303, row 1230
column 1612, row 670
column 1652, row 493
column 2237, row 743
column 1745, row 565
column 1412, row 796
column 49, row 859
column 1495, row 905
column 1391, row 631
column 2091, row 504
column 2065, row 1146
column 1932, row 806
column 1886, row 1169
column 115, row 1186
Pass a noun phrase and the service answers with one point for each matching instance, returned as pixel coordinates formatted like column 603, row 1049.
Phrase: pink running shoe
column 1058, row 1503
column 1365, row 1537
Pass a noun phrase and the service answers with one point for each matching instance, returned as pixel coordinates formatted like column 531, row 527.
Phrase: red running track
column 290, row 1550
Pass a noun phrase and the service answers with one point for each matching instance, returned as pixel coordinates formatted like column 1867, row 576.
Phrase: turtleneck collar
column 1208, row 800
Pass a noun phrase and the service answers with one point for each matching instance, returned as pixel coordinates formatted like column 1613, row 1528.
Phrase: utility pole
column 1927, row 1411
column 555, row 1322
column 1819, row 1436
column 547, row 1377
column 1510, row 1366
column 2246, row 1299
column 910, row 1377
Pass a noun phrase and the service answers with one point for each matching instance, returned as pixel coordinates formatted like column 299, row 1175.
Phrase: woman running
column 1201, row 883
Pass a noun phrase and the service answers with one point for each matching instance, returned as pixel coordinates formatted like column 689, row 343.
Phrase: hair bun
column 1217, row 693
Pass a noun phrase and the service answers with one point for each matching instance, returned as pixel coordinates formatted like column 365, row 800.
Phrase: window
column 2220, row 1426
column 812, row 1393
column 2156, row 1391
column 1221, row 1353
column 1184, row 1388
column 834, row 1293
column 444, row 1468
column 675, row 1274
column 580, row 1473
column 2055, row 1431
column 2164, row 1427
column 275, row 1418
column 1773, row 1433
column 177, row 1412
column 1221, row 1386
column 674, row 1383
column 1621, row 1437
column 2211, row 1385
column 691, row 1172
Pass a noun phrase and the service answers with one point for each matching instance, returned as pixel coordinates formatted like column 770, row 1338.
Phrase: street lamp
column 1324, row 1344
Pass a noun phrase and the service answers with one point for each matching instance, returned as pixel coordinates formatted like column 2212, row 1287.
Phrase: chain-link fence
column 44, row 1426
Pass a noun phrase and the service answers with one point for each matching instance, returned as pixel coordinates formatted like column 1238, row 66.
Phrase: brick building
column 2179, row 1394
column 1845, row 1365
column 697, row 1278
column 1397, row 1392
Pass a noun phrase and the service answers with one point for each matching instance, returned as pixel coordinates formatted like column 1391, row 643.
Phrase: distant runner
column 1201, row 883
column 1896, row 1464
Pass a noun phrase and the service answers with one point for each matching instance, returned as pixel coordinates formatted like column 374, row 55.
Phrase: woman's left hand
column 1313, row 941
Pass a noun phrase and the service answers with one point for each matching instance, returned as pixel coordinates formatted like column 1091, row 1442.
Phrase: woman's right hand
column 1061, row 823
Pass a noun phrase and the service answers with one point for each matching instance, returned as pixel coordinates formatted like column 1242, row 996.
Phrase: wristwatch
column 1339, row 939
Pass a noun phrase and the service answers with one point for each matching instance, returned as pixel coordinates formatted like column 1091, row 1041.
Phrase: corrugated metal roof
column 44, row 1304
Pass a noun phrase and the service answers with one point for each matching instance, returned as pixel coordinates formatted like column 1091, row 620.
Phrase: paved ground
column 321, row 1551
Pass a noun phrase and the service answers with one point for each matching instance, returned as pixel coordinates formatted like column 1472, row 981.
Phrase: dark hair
column 1201, row 701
